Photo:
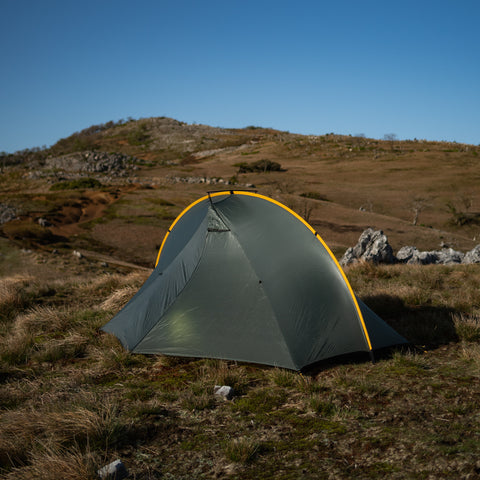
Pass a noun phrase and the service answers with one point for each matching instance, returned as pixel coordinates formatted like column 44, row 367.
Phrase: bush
column 314, row 196
column 259, row 167
column 139, row 136
column 79, row 184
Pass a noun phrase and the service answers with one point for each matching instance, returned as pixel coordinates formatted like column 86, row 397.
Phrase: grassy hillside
column 341, row 183
column 71, row 398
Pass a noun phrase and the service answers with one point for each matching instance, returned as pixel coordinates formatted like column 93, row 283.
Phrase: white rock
column 223, row 391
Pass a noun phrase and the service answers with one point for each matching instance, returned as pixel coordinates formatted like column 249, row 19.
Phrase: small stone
column 77, row 254
column 43, row 222
column 113, row 471
column 223, row 391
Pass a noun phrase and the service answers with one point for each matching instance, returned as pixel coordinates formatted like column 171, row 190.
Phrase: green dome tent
column 239, row 276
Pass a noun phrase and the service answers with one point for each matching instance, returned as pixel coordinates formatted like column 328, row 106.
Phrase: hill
column 150, row 169
column 81, row 223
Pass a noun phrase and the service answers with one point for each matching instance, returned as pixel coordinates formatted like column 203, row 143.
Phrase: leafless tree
column 390, row 137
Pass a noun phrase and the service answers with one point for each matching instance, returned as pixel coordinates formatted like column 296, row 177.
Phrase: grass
column 242, row 450
column 72, row 399
column 70, row 394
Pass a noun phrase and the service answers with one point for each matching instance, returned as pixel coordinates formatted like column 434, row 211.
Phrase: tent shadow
column 423, row 325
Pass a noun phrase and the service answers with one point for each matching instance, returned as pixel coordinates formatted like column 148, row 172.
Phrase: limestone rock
column 92, row 162
column 446, row 256
column 407, row 253
column 372, row 246
column 473, row 256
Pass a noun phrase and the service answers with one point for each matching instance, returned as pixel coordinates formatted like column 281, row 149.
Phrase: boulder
column 348, row 258
column 405, row 254
column 372, row 246
column 448, row 256
column 424, row 258
column 473, row 256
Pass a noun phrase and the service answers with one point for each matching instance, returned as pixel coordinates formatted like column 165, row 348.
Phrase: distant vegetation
column 79, row 184
column 260, row 166
column 314, row 196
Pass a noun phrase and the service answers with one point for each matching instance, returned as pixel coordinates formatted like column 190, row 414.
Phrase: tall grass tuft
column 13, row 296
column 467, row 326
column 54, row 462
column 242, row 450
column 86, row 423
column 118, row 298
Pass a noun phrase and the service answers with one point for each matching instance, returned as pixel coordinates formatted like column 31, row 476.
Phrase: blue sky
column 374, row 67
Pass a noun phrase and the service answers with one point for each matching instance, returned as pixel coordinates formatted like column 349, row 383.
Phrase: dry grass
column 13, row 295
column 57, row 463
column 72, row 399
column 119, row 298
column 242, row 450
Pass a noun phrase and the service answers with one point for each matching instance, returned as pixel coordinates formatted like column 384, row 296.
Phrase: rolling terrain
column 81, row 224
column 343, row 184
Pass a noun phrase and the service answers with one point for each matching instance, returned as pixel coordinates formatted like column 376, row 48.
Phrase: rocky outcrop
column 372, row 246
column 446, row 256
column 7, row 213
column 92, row 162
column 206, row 181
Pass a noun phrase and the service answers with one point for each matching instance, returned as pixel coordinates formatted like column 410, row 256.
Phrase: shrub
column 79, row 184
column 139, row 136
column 259, row 167
column 314, row 196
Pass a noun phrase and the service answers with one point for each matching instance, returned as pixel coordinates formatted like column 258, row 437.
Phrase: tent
column 239, row 276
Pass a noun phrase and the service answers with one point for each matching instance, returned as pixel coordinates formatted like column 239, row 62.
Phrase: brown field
column 72, row 399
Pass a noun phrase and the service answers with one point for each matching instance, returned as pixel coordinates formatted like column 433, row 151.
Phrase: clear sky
column 372, row 67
